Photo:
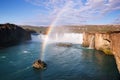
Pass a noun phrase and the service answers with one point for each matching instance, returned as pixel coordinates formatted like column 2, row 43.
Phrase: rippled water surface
column 64, row 63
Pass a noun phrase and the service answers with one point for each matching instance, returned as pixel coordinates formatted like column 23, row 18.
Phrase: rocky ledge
column 11, row 34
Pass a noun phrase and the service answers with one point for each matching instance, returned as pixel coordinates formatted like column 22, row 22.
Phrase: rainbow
column 53, row 24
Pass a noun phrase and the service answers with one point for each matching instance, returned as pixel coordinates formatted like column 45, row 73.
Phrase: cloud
column 117, row 20
column 40, row 19
column 77, row 12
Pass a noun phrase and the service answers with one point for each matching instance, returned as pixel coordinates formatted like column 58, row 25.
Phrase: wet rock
column 38, row 64
column 64, row 44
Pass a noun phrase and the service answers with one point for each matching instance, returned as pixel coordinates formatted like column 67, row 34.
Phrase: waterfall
column 73, row 38
column 36, row 38
column 76, row 38
column 91, row 45
column 56, row 36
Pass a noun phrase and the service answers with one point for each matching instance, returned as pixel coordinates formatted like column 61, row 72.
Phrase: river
column 64, row 63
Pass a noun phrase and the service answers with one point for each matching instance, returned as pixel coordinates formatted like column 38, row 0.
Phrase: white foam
column 3, row 57
column 25, row 52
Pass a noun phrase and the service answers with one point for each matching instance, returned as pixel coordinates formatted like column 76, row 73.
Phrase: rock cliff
column 87, row 39
column 11, row 34
column 101, row 41
column 108, row 42
column 115, row 46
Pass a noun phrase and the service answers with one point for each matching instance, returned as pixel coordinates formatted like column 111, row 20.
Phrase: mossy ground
column 106, row 51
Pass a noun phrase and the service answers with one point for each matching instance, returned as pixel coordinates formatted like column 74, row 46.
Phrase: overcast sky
column 60, row 12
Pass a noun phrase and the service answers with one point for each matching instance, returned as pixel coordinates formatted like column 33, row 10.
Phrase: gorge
column 63, row 49
column 101, row 37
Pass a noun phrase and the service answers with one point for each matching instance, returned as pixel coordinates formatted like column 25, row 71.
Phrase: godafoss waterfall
column 63, row 62
column 59, row 39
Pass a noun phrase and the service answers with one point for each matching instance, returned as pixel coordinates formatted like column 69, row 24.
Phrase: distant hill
column 75, row 28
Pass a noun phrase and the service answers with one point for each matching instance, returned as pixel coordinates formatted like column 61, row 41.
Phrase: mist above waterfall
column 75, row 38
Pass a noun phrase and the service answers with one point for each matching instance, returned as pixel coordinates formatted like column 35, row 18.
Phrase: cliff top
column 68, row 28
column 78, row 28
column 8, row 25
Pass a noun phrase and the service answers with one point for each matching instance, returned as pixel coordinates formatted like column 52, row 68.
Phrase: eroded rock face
column 87, row 39
column 109, row 43
column 11, row 34
column 103, row 42
column 115, row 38
column 38, row 64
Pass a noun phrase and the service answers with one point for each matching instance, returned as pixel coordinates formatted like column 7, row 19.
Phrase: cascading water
column 91, row 45
column 75, row 38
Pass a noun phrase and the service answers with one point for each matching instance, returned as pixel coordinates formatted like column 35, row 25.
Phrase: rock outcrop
column 64, row 44
column 108, row 42
column 38, row 64
column 87, row 39
column 101, row 41
column 115, row 46
column 11, row 34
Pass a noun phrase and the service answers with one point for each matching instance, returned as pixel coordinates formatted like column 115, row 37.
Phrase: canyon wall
column 115, row 41
column 107, row 42
column 87, row 39
column 11, row 34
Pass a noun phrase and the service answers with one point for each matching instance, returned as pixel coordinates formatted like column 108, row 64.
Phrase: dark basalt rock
column 39, row 64
column 64, row 44
column 11, row 34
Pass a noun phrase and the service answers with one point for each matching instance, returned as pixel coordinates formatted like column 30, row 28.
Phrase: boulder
column 38, row 64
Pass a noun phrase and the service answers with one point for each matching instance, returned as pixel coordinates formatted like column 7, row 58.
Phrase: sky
column 60, row 12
